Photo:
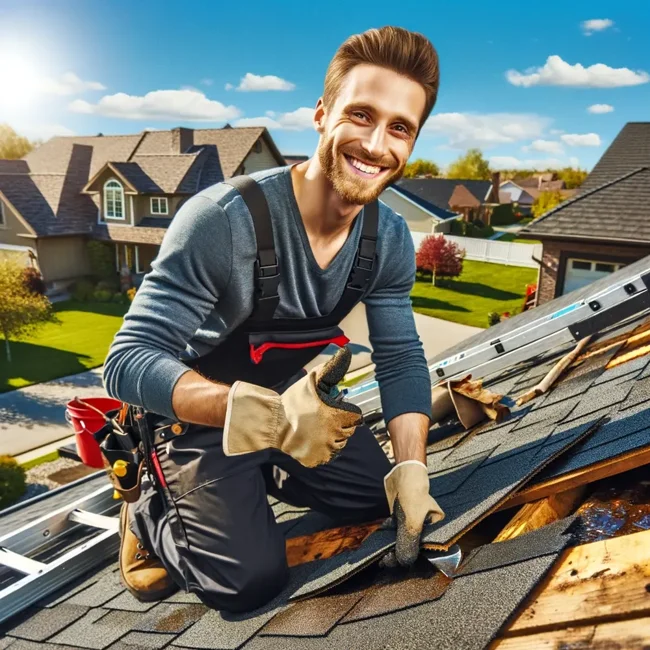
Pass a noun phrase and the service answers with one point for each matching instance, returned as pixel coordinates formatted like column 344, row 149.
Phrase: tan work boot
column 142, row 572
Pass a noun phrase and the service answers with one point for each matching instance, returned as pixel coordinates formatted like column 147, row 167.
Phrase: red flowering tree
column 444, row 258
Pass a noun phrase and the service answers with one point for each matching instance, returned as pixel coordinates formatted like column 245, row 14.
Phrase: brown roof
column 143, row 234
column 45, row 187
column 461, row 197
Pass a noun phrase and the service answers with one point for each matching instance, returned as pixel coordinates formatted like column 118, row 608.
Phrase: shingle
column 141, row 640
column 45, row 623
column 547, row 414
column 170, row 618
column 5, row 642
column 98, row 629
column 127, row 602
column 639, row 394
column 313, row 617
column 99, row 592
column 597, row 396
column 449, row 479
column 183, row 598
column 21, row 644
column 623, row 371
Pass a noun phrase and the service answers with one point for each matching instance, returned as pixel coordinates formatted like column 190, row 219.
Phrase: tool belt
column 125, row 442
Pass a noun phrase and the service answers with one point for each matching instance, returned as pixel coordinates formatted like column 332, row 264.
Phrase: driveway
column 35, row 416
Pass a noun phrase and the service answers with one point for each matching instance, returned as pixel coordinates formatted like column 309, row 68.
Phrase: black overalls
column 210, row 521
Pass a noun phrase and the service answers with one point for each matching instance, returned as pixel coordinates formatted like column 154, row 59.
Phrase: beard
column 351, row 188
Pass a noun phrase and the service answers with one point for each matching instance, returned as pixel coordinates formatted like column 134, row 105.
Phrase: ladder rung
column 20, row 563
column 96, row 521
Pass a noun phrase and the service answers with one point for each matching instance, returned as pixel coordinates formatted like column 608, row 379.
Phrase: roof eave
column 587, row 238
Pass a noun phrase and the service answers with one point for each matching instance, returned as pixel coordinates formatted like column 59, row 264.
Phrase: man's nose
column 375, row 143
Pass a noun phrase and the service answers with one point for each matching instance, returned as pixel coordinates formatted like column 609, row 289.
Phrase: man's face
column 368, row 134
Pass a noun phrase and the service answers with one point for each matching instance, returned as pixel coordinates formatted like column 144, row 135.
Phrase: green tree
column 421, row 167
column 572, row 177
column 21, row 310
column 12, row 145
column 472, row 165
column 546, row 201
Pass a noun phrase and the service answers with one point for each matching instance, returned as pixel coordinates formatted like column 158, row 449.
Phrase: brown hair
column 408, row 53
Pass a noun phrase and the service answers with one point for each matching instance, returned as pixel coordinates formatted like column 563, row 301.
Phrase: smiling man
column 252, row 280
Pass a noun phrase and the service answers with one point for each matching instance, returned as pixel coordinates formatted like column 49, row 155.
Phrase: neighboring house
column 606, row 225
column 470, row 199
column 292, row 159
column 523, row 198
column 420, row 215
column 122, row 189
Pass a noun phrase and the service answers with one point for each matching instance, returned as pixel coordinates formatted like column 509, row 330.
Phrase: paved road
column 34, row 416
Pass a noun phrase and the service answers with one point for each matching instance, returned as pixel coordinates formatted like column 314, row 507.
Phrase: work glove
column 305, row 421
column 411, row 507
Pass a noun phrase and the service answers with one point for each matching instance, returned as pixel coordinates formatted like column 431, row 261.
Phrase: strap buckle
column 267, row 278
column 364, row 264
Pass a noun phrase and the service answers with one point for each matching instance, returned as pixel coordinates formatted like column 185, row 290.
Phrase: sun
column 20, row 82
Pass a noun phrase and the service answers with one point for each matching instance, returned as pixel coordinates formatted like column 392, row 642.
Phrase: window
column 580, row 265
column 605, row 268
column 159, row 205
column 114, row 201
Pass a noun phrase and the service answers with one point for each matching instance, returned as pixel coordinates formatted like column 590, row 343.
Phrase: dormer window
column 114, row 200
column 159, row 205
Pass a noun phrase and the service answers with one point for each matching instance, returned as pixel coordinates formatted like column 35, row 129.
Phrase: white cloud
column 545, row 146
column 511, row 162
column 67, row 84
column 596, row 25
column 600, row 108
column 482, row 130
column 206, row 82
column 557, row 72
column 254, row 82
column 43, row 131
column 172, row 105
column 581, row 139
column 556, row 131
column 298, row 120
column 228, row 86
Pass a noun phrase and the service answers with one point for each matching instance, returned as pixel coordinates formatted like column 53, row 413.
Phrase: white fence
column 492, row 250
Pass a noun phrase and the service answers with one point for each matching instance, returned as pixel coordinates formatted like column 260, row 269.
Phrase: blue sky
column 516, row 81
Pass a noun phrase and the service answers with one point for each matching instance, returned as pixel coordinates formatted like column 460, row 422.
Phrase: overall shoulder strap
column 267, row 273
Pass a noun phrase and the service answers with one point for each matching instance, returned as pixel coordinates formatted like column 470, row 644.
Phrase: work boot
column 142, row 572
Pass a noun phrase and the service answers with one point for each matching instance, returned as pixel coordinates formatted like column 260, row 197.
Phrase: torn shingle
column 312, row 617
column 45, row 623
column 98, row 629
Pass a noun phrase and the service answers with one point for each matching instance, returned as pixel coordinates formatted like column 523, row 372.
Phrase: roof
column 438, row 212
column 438, row 191
column 46, row 186
column 461, row 197
column 630, row 150
column 618, row 210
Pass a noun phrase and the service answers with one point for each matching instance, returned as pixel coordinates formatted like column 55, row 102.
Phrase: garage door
column 580, row 273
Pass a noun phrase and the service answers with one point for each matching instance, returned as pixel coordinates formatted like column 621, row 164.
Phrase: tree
column 546, row 201
column 421, row 167
column 572, row 177
column 21, row 310
column 12, row 145
column 441, row 256
column 470, row 166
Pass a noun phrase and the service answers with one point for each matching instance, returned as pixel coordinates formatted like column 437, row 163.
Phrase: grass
column 481, row 288
column 34, row 462
column 509, row 236
column 79, row 342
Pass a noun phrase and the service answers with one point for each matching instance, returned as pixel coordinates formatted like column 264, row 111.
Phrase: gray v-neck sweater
column 200, row 288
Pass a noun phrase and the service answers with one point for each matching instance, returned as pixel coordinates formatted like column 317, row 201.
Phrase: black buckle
column 267, row 279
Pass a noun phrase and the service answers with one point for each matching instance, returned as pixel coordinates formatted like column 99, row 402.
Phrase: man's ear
column 319, row 116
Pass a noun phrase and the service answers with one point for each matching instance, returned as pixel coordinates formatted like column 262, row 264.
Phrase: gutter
column 615, row 240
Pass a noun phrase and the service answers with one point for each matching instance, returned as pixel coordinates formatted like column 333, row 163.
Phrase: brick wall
column 553, row 260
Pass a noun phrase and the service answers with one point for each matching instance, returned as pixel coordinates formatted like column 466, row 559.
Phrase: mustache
column 384, row 161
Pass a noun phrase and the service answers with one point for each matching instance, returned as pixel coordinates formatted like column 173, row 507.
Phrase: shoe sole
column 151, row 595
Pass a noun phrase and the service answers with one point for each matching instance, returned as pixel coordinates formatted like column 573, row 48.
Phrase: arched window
column 114, row 201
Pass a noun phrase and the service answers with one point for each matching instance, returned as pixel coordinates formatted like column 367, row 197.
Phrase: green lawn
column 481, row 288
column 509, row 236
column 78, row 343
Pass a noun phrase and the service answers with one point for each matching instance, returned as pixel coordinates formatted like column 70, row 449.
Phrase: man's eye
column 402, row 127
column 360, row 115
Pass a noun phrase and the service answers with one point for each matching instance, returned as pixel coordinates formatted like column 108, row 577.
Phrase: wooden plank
column 606, row 468
column 540, row 513
column 594, row 583
column 631, row 634
column 327, row 543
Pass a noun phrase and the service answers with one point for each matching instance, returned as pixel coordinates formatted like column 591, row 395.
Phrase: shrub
column 12, row 481
column 111, row 285
column 503, row 215
column 130, row 294
column 101, row 295
column 119, row 298
column 102, row 260
column 493, row 318
column 33, row 280
column 82, row 291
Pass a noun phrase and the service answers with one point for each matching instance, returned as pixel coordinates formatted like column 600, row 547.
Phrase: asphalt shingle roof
column 617, row 210
column 438, row 211
column 439, row 190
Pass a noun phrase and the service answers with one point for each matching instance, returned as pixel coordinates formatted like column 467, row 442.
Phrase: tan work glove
column 304, row 422
column 411, row 507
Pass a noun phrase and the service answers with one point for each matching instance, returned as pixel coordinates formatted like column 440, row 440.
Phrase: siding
column 416, row 218
column 62, row 258
column 13, row 228
column 257, row 162
column 142, row 207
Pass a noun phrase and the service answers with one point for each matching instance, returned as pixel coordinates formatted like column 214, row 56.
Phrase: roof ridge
column 577, row 198
column 170, row 155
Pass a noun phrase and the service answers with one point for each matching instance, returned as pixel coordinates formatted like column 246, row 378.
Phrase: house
column 420, row 215
column 471, row 199
column 606, row 225
column 293, row 159
column 523, row 198
column 120, row 189
column 553, row 584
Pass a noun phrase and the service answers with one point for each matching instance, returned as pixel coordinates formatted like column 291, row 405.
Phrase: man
column 248, row 286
